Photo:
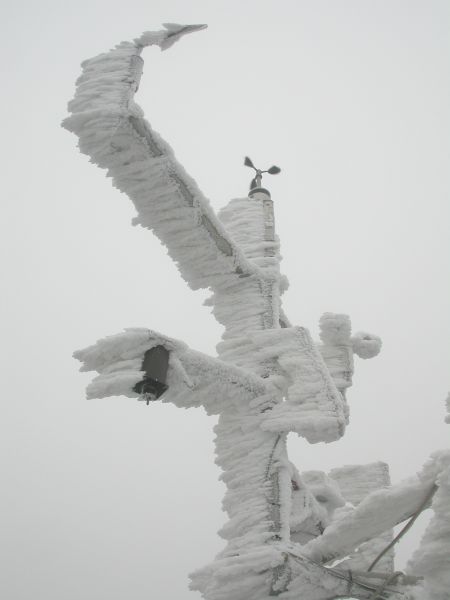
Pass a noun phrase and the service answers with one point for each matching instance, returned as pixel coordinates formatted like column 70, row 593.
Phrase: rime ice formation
column 377, row 513
column 355, row 483
column 270, row 378
column 432, row 559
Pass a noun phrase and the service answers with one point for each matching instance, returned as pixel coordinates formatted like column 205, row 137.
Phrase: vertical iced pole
column 250, row 221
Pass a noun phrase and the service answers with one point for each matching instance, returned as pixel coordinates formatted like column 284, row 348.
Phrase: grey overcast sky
column 111, row 499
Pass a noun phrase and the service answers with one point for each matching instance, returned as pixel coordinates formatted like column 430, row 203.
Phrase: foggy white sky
column 111, row 499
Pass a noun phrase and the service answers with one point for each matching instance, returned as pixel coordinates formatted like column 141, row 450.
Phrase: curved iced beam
column 167, row 37
column 113, row 132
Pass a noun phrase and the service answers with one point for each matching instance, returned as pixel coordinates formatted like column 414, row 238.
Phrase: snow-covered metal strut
column 311, row 535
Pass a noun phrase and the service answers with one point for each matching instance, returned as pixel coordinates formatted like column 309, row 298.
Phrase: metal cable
column 408, row 525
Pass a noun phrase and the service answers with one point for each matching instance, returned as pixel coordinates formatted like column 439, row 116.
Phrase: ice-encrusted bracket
column 318, row 375
column 314, row 407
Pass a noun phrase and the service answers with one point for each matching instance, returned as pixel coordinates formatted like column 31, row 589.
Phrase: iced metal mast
column 270, row 378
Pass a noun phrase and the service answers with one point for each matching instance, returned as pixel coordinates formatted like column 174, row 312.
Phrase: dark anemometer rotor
column 256, row 181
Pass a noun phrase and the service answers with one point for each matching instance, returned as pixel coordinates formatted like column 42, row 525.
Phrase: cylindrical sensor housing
column 155, row 365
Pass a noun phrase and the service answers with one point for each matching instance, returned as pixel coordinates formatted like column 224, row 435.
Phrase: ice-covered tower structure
column 270, row 378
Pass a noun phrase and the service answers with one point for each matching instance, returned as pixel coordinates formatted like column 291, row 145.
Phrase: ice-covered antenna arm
column 165, row 39
column 113, row 132
column 191, row 379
